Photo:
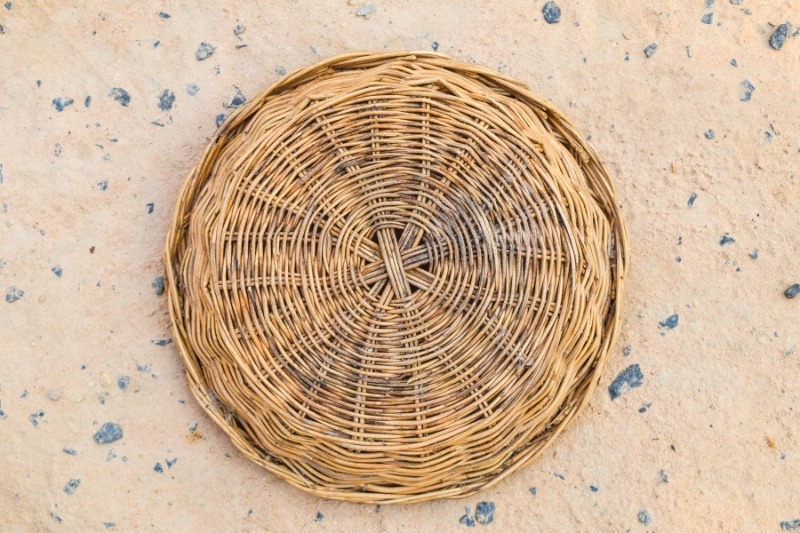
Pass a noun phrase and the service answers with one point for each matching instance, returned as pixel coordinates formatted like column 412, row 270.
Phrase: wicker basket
column 395, row 277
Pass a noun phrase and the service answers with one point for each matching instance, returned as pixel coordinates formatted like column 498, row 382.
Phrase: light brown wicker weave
column 395, row 277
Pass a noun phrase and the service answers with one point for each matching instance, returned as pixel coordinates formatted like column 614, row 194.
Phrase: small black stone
column 792, row 291
column 664, row 477
column 164, row 15
column 13, row 294
column 484, row 513
column 123, row 382
column 709, row 134
column 708, row 18
column 779, row 36
column 435, row 45
column 103, row 185
column 88, row 101
column 62, row 102
column 734, row 63
column 150, row 208
column 644, row 407
column 753, row 254
column 692, row 198
column 749, row 88
column 650, row 50
column 551, row 12
column 121, row 96
column 57, row 271
column 69, row 451
column 319, row 517
column 72, row 486
column 158, row 285
column 533, row 490
column 726, row 240
column 239, row 29
column 627, row 350
column 158, row 468
column 108, row 433
column 166, row 100
column 467, row 520
column 170, row 462
column 593, row 488
column 670, row 322
column 790, row 525
column 630, row 378
column 645, row 518
column 205, row 51
column 238, row 100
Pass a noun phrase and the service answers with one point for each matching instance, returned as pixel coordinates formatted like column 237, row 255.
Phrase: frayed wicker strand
column 395, row 277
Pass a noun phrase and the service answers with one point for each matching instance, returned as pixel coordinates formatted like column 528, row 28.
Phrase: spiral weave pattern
column 395, row 277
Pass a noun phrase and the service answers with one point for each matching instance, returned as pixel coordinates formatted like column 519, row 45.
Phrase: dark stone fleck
column 55, row 517
column 192, row 89
column 144, row 368
column 678, row 259
column 162, row 342
column 109, row 525
column 164, row 15
column 628, row 379
column 123, row 382
column 484, row 513
column 158, row 468
column 150, row 208
column 158, row 285
column 627, row 350
column 734, row 63
column 240, row 46
column 792, row 291
column 166, row 100
column 559, row 476
column 62, row 102
column 749, row 88
column 171, row 462
column 220, row 119
column 593, row 488
column 239, row 29
column 645, row 518
column 779, row 36
column 709, row 3
column 57, row 271
column 13, row 294
column 644, row 407
column 72, row 485
column 435, row 45
column 551, row 12
column 650, row 50
column 103, row 185
column 101, row 399
column 736, row 2
column 9, row 5
column 533, row 490
column 237, row 100
column 664, row 477
column 155, row 44
column 689, row 52
column 708, row 18
column 280, row 71
column 669, row 323
column 726, row 240
column 790, row 525
column 205, row 51
column 319, row 517
column 121, row 96
column 88, row 101
column 692, row 198
column 709, row 134
column 753, row 254
column 467, row 520
column 35, row 417
column 69, row 451
column 158, row 122
column 108, row 433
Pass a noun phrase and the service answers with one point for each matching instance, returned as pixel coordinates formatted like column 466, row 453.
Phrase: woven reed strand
column 395, row 277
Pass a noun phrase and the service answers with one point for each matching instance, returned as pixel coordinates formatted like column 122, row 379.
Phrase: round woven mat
column 395, row 277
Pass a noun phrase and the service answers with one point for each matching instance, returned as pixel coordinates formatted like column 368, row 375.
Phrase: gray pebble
column 110, row 432
column 709, row 134
column 62, row 102
column 671, row 322
column 158, row 285
column 121, row 96
column 777, row 39
column 239, row 29
column 192, row 89
column 650, row 50
column 645, row 518
column 708, row 18
column 726, row 240
column 749, row 88
column 484, row 513
column 205, row 51
column 13, row 294
column 366, row 10
column 72, row 485
column 792, row 291
column 166, row 100
column 123, row 382
column 630, row 378
column 551, row 12
column 54, row 394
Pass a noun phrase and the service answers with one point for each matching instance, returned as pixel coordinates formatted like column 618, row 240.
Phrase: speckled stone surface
column 104, row 109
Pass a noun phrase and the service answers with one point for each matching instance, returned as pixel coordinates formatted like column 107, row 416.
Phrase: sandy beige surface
column 710, row 440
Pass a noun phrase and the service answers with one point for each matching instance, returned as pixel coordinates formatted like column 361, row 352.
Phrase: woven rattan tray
column 395, row 277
